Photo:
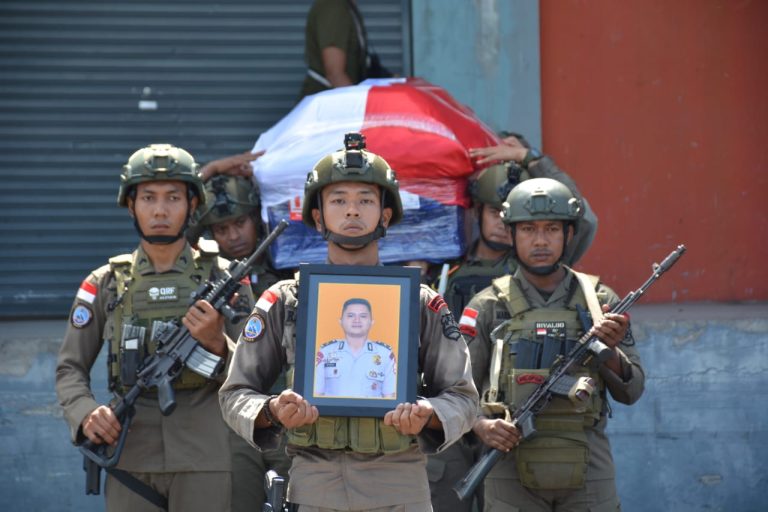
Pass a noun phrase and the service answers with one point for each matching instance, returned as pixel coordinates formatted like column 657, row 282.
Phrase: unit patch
column 254, row 328
column 530, row 378
column 163, row 294
column 81, row 316
column 437, row 303
column 450, row 329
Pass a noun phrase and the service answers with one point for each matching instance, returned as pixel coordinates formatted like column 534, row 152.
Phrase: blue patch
column 254, row 328
column 81, row 316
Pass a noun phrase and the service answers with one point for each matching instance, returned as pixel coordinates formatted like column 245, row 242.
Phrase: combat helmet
column 226, row 198
column 353, row 163
column 493, row 184
column 542, row 199
column 160, row 162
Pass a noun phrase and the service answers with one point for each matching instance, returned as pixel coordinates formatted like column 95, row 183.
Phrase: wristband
column 268, row 413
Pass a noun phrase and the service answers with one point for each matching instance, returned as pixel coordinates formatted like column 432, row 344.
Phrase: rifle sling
column 139, row 487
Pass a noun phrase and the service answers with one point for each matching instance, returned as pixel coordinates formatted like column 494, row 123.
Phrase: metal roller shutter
column 85, row 83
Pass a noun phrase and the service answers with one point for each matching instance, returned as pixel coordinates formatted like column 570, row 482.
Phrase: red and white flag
column 87, row 292
column 423, row 133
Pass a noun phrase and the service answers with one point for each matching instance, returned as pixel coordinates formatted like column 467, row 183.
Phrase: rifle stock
column 588, row 347
column 176, row 349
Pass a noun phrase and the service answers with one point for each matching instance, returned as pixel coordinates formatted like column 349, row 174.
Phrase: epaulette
column 388, row 347
column 331, row 342
column 121, row 260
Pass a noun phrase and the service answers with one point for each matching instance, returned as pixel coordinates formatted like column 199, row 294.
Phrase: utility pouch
column 364, row 435
column 554, row 461
column 528, row 353
column 131, row 352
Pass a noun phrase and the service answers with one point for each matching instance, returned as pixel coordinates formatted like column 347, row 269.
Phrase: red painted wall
column 659, row 110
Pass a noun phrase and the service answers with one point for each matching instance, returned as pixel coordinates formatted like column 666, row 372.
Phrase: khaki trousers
column 509, row 495
column 188, row 492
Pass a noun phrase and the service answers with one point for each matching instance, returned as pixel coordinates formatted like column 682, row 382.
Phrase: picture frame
column 357, row 338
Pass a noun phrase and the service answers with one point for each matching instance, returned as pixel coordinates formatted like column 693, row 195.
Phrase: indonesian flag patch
column 266, row 301
column 87, row 292
column 468, row 322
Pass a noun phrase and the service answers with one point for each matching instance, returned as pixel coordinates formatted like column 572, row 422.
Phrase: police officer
column 490, row 257
column 349, row 463
column 356, row 366
column 232, row 216
column 536, row 315
column 182, row 458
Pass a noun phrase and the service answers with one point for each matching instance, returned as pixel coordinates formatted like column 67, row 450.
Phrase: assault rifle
column 176, row 349
column 560, row 383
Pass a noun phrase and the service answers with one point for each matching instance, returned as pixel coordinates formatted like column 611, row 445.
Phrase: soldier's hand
column 502, row 152
column 612, row 328
column 207, row 326
column 292, row 410
column 102, row 426
column 410, row 419
column 235, row 165
column 498, row 433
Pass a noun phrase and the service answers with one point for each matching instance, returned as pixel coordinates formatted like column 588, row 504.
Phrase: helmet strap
column 356, row 242
column 494, row 246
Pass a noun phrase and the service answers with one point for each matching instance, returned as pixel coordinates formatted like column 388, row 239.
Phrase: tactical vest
column 468, row 280
column 143, row 304
column 360, row 435
column 525, row 347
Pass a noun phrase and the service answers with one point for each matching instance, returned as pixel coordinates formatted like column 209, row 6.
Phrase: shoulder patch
column 437, row 303
column 468, row 322
column 81, row 316
column 87, row 292
column 266, row 301
column 450, row 329
column 254, row 328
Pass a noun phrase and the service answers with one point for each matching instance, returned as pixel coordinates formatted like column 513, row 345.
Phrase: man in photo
column 356, row 366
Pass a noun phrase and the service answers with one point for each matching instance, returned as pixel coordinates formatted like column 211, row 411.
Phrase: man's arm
column 335, row 65
column 79, row 349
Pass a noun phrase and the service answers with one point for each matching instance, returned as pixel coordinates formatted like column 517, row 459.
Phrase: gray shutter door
column 85, row 83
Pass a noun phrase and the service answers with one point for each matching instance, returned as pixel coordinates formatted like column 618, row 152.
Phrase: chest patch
column 550, row 330
column 163, row 293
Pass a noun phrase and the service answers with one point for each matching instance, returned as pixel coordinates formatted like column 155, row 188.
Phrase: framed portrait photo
column 357, row 338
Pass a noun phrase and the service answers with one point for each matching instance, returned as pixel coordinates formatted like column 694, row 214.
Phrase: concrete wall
column 658, row 109
column 486, row 54
column 696, row 440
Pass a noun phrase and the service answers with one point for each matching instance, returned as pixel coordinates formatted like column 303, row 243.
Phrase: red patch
column 437, row 303
column 466, row 329
column 318, row 358
column 469, row 312
column 530, row 378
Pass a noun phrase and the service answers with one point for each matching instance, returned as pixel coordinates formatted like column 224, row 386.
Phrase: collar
column 143, row 266
column 558, row 297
